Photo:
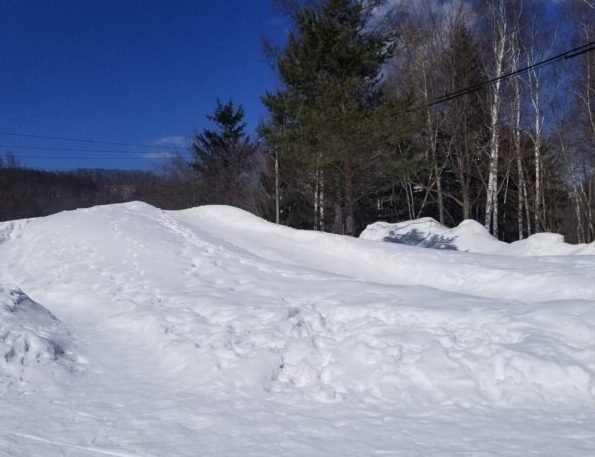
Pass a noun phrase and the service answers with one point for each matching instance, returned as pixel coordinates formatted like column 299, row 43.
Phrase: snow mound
column 199, row 321
column 33, row 342
column 470, row 236
column 458, row 355
column 223, row 299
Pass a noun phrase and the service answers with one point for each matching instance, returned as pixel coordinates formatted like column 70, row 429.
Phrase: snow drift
column 34, row 345
column 470, row 236
column 175, row 310
column 242, row 302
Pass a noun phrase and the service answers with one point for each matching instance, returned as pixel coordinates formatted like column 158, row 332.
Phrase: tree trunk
column 321, row 201
column 349, row 216
column 439, row 191
column 338, row 222
column 491, row 211
column 316, row 190
column 537, row 203
column 519, row 161
column 432, row 145
column 277, row 213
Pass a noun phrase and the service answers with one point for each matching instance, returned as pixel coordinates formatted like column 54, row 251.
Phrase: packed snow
column 470, row 236
column 34, row 345
column 210, row 331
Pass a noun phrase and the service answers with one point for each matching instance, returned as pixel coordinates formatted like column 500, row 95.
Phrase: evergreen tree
column 226, row 149
column 225, row 160
column 330, row 118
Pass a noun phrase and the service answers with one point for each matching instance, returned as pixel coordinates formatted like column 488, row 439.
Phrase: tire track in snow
column 89, row 449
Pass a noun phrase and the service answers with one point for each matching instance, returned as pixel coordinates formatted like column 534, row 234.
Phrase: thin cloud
column 176, row 140
column 159, row 155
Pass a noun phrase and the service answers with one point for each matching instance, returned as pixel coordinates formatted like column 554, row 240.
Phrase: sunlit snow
column 209, row 331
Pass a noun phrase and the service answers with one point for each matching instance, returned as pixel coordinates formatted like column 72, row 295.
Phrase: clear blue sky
column 134, row 71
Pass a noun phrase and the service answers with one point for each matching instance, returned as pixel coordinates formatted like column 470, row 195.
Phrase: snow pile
column 449, row 353
column 223, row 298
column 470, row 236
column 206, row 320
column 33, row 342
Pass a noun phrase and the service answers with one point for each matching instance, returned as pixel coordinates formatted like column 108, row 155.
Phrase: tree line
column 363, row 127
column 383, row 112
column 26, row 193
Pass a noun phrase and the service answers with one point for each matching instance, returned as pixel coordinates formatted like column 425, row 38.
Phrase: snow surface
column 212, row 332
column 34, row 345
column 470, row 236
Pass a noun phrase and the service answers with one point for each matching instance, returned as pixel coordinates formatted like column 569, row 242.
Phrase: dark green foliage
column 226, row 150
column 226, row 160
column 330, row 124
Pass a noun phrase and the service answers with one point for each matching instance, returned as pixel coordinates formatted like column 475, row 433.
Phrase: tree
column 330, row 119
column 349, row 147
column 225, row 160
column 499, row 25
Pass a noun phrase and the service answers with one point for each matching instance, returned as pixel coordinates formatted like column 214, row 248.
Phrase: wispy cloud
column 176, row 140
column 159, row 155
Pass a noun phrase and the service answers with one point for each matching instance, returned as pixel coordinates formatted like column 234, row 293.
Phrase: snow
column 34, row 344
column 212, row 332
column 470, row 236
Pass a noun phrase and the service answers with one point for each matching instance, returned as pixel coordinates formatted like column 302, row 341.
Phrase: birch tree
column 499, row 26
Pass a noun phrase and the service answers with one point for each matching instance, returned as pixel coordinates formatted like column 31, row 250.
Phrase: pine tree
column 224, row 159
column 225, row 150
column 327, row 117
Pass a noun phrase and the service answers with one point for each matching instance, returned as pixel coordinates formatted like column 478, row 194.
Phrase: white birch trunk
column 316, row 200
column 519, row 161
column 537, row 127
column 491, row 212
column 277, row 215
column 321, row 201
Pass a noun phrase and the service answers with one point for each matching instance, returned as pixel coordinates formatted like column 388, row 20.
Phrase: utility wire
column 569, row 54
column 85, row 140
column 19, row 156
column 11, row 147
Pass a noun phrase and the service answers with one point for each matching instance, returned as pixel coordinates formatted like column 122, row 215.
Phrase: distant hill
column 26, row 193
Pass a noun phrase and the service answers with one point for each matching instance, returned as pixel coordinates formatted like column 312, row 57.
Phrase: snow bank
column 34, row 345
column 445, row 353
column 223, row 298
column 197, row 319
column 470, row 236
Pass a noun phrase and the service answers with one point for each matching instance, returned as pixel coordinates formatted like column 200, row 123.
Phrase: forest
column 388, row 110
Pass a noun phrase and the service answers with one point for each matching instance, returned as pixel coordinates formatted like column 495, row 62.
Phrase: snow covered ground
column 470, row 236
column 33, row 343
column 211, row 332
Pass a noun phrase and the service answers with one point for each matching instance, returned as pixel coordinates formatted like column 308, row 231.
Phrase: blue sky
column 133, row 71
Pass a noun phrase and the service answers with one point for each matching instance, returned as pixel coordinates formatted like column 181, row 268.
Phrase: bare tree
column 499, row 26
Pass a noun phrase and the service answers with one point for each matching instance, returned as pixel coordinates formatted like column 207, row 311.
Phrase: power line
column 111, row 151
column 566, row 55
column 569, row 54
column 27, row 156
column 85, row 140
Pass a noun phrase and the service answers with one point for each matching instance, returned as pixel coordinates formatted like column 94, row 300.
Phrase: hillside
column 209, row 331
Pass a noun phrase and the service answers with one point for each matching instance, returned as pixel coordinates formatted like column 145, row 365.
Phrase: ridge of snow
column 470, row 236
column 210, row 319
